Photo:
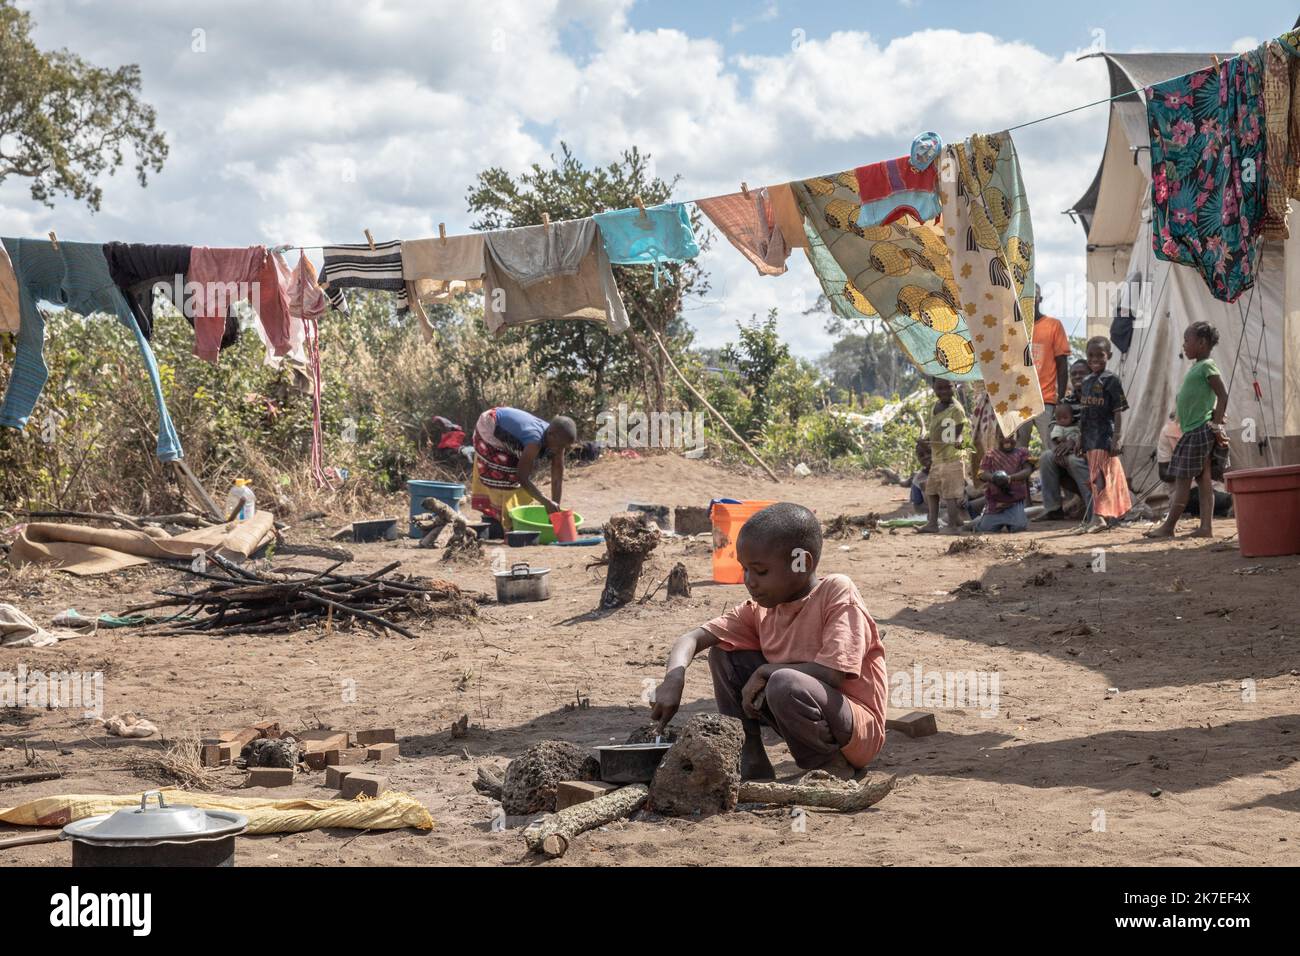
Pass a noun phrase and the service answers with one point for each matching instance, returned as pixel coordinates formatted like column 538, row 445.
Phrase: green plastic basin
column 534, row 518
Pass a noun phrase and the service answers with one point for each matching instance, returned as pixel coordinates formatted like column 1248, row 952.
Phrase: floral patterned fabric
column 1208, row 172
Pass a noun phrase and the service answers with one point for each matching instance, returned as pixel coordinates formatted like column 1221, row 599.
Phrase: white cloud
column 306, row 122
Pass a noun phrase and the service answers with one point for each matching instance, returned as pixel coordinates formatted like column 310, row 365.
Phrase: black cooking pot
column 156, row 836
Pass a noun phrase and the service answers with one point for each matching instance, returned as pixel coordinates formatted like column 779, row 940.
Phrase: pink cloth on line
column 749, row 223
column 273, row 304
column 219, row 274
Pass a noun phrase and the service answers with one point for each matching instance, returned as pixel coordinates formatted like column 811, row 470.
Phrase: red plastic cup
column 562, row 522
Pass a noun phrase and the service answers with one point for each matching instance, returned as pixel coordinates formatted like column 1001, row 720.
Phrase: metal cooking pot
column 156, row 836
column 522, row 583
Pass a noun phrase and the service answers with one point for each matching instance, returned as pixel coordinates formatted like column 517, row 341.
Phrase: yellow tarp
column 390, row 811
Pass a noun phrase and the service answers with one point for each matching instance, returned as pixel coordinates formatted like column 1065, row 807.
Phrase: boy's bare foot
column 1160, row 532
column 1202, row 533
column 928, row 529
column 754, row 762
column 838, row 767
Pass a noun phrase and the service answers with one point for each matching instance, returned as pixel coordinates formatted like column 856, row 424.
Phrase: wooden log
column 553, row 834
column 628, row 540
column 28, row 839
column 870, row 790
column 30, row 776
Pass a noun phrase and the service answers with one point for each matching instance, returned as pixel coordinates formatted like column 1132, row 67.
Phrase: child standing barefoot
column 1202, row 452
column 947, row 481
column 1103, row 401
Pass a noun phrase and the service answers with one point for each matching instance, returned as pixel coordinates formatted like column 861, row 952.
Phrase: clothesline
column 285, row 247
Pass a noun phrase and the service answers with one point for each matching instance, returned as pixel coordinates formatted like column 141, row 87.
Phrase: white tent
column 1259, row 334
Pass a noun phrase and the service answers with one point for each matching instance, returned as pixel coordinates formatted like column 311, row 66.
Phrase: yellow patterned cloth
column 898, row 272
column 987, row 229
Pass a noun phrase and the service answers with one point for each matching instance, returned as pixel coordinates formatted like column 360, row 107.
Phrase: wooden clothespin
column 370, row 239
column 54, row 240
column 442, row 232
column 546, row 220
column 1215, row 58
column 744, row 189
column 641, row 205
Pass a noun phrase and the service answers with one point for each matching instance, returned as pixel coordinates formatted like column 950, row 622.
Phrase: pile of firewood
column 248, row 601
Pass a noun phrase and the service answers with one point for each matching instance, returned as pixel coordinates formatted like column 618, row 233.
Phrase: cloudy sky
column 302, row 122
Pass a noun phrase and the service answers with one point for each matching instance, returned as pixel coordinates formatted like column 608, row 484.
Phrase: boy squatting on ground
column 803, row 656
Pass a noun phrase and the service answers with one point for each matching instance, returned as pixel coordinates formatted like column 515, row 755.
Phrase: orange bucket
column 728, row 519
column 563, row 523
column 1266, row 503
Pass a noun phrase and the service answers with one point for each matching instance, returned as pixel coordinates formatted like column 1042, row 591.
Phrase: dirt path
column 1200, row 643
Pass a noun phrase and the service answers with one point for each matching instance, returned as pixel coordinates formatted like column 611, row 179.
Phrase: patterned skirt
column 1192, row 450
column 495, row 465
column 1110, row 497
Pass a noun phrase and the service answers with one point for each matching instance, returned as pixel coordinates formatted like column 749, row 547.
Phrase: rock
column 531, row 778
column 701, row 773
column 264, row 752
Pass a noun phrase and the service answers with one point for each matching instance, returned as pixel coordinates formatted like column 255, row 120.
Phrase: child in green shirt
column 947, row 480
column 1202, row 452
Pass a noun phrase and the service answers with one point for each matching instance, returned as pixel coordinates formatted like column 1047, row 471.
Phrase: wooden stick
column 131, row 523
column 694, row 391
column 188, row 478
column 554, row 832
column 28, row 839
column 869, row 791
column 30, row 776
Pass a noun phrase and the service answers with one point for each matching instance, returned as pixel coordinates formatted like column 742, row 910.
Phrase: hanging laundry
column 901, row 273
column 560, row 271
column 221, row 278
column 438, row 270
column 9, row 312
column 789, row 217
column 1282, row 155
column 137, row 268
column 907, row 186
column 654, row 236
column 357, row 266
column 273, row 303
column 1207, row 171
column 749, row 223
column 991, row 241
column 75, row 276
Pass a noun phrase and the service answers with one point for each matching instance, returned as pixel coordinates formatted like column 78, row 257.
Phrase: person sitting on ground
column 507, row 444
column 1064, row 457
column 802, row 656
column 947, row 481
column 1005, row 471
column 1202, row 452
column 1102, row 397
column 1165, row 445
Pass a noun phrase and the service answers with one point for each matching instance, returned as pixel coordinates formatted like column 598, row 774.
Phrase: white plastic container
column 241, row 496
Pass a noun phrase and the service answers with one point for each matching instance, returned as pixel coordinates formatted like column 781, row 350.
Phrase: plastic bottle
column 241, row 497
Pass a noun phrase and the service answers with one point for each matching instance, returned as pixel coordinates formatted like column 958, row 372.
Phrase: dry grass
column 180, row 764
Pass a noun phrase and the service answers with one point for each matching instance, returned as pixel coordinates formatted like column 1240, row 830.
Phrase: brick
column 383, row 735
column 319, row 740
column 337, row 758
column 319, row 759
column 270, row 777
column 334, row 776
column 916, row 724
column 691, row 520
column 381, row 753
column 219, row 754
column 569, row 792
column 269, row 729
column 242, row 736
column 357, row 783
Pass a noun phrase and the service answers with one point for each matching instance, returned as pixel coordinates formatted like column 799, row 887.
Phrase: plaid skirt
column 1191, row 451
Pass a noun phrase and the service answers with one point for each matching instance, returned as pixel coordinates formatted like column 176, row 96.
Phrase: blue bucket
column 449, row 493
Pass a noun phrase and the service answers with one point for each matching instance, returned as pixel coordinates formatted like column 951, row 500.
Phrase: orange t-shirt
column 1050, row 342
column 830, row 627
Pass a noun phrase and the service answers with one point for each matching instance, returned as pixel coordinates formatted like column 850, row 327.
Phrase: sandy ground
column 1190, row 760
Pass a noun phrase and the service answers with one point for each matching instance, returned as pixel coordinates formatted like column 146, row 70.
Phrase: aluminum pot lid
column 151, row 824
column 523, row 572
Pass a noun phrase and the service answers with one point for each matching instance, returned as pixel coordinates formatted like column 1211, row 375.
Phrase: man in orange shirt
column 802, row 656
column 1051, row 360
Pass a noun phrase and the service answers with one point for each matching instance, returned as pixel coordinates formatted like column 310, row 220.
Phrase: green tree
column 757, row 357
column 64, row 122
column 582, row 360
column 865, row 359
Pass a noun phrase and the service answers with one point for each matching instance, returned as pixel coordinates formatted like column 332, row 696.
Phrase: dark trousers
column 813, row 718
